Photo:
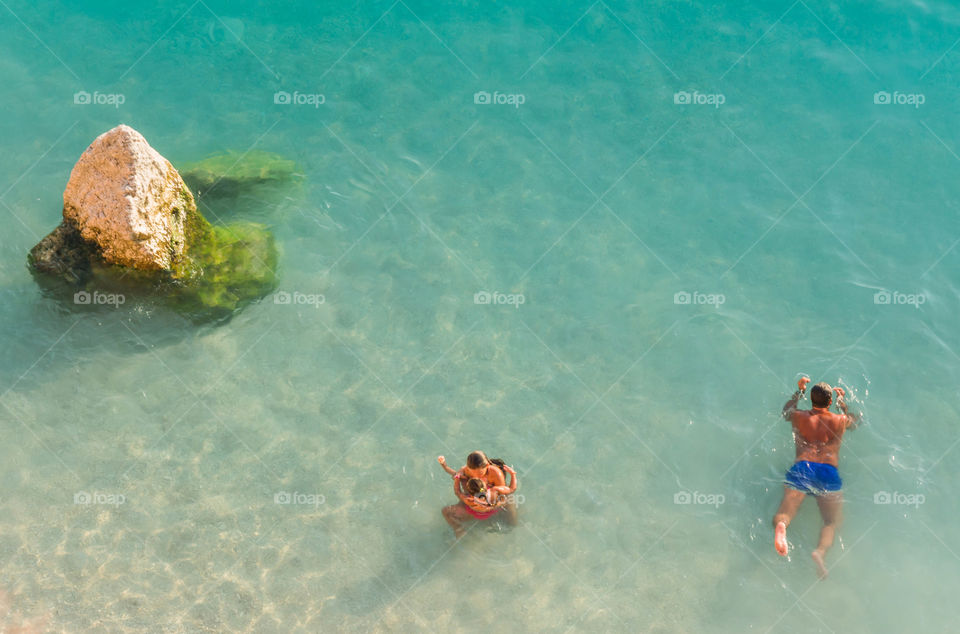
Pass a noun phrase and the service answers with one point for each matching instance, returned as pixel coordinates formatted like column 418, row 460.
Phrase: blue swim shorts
column 815, row 478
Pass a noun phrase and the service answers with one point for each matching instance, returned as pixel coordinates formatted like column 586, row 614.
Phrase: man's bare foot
column 459, row 532
column 817, row 557
column 780, row 538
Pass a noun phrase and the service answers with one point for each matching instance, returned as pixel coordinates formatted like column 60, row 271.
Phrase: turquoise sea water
column 783, row 214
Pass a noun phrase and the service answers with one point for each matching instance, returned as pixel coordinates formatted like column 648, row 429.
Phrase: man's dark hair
column 821, row 394
column 476, row 460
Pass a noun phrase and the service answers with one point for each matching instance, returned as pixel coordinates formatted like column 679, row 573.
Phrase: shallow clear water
column 793, row 202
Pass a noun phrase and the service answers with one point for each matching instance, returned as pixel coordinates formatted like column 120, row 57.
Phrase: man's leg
column 831, row 510
column 456, row 514
column 792, row 499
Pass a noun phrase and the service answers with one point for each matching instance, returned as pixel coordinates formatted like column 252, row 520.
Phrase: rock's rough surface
column 130, row 201
column 130, row 225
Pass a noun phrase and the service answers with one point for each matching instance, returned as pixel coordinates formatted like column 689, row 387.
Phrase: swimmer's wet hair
column 476, row 460
column 821, row 394
column 476, row 486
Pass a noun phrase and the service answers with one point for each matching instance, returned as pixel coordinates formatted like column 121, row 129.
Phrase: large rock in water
column 130, row 201
column 131, row 224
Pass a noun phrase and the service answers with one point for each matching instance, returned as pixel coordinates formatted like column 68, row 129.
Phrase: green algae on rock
column 232, row 173
column 131, row 225
column 231, row 265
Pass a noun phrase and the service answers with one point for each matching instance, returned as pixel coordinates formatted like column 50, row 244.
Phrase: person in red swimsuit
column 480, row 467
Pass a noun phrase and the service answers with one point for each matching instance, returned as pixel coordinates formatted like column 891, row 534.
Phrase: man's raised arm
column 852, row 420
column 791, row 405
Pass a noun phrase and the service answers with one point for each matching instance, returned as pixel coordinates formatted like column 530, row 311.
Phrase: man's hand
column 853, row 420
column 791, row 405
column 841, row 405
column 441, row 460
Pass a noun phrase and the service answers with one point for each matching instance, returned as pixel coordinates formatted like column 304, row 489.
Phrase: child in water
column 482, row 494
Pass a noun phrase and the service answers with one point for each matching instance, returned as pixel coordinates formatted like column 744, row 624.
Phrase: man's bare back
column 818, row 433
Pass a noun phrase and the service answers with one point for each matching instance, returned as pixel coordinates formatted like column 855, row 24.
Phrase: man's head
column 821, row 395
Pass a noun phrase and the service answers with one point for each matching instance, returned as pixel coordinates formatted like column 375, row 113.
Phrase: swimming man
column 817, row 433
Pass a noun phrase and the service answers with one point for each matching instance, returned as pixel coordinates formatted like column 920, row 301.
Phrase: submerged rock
column 229, row 30
column 238, row 263
column 130, row 224
column 232, row 173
